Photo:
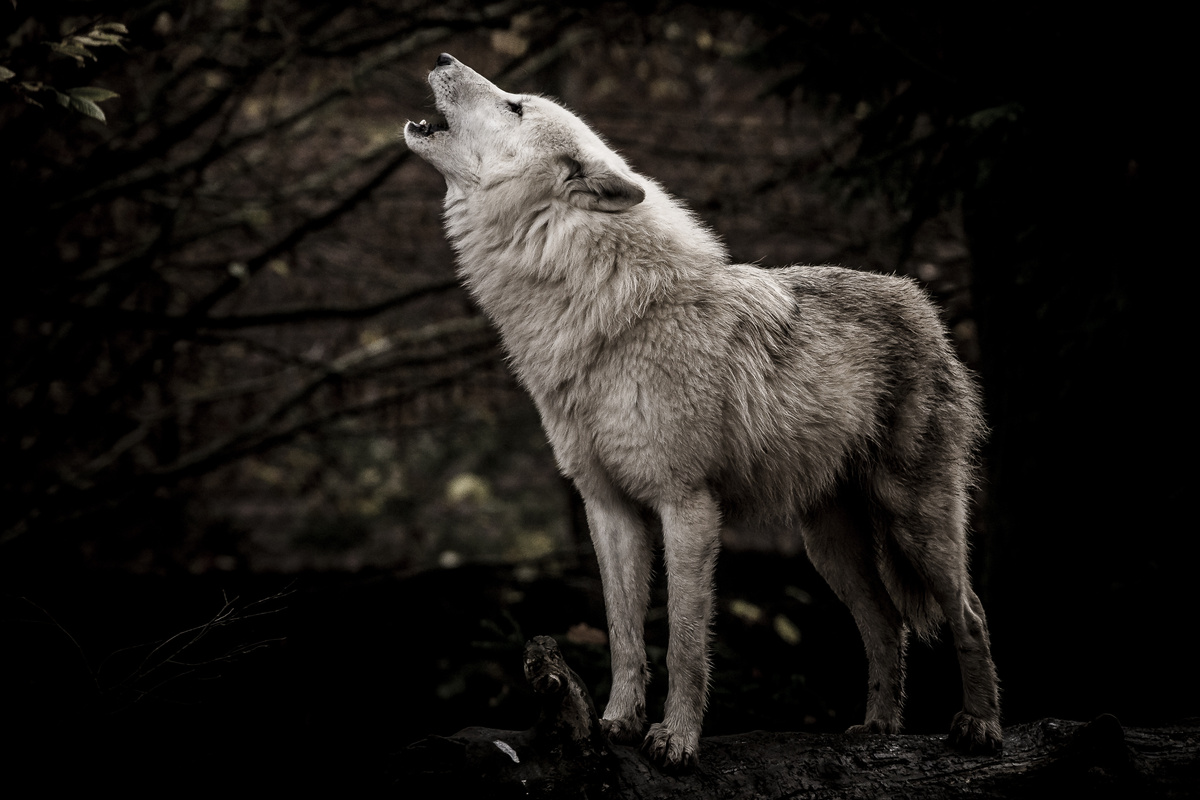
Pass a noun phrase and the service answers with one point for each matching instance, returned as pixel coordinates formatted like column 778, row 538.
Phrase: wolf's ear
column 597, row 188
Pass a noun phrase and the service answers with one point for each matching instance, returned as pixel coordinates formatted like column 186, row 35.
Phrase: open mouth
column 424, row 128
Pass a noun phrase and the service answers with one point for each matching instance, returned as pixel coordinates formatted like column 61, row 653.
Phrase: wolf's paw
column 672, row 750
column 976, row 735
column 873, row 726
column 623, row 731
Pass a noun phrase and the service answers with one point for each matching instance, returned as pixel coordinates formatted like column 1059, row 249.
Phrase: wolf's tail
column 908, row 590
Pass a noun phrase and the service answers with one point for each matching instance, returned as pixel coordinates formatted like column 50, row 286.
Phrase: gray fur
column 671, row 381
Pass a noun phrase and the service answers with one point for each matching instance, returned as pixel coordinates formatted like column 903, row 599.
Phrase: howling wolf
column 672, row 382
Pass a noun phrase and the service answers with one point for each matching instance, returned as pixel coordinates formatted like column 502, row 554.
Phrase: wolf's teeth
column 422, row 122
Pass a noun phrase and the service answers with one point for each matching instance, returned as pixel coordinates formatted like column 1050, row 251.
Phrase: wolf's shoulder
column 825, row 277
column 833, row 283
column 859, row 297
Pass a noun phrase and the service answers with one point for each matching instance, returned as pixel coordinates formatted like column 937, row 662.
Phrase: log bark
column 565, row 755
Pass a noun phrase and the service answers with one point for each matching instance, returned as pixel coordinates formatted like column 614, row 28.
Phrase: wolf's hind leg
column 976, row 729
column 839, row 541
column 933, row 537
column 625, row 557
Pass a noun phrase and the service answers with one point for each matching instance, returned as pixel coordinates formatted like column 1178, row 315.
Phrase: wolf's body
column 671, row 381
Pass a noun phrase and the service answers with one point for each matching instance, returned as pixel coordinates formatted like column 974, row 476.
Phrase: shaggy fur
column 672, row 382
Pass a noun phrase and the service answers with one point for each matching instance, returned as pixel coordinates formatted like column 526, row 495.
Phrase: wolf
column 674, row 384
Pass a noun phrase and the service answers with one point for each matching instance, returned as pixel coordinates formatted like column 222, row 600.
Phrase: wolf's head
column 532, row 147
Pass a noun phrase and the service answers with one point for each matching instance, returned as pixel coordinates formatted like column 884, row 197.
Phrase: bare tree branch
column 143, row 320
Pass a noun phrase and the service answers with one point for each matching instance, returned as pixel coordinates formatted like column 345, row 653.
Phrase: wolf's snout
column 445, row 60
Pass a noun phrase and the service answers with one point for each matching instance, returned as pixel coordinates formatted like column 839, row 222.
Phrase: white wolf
column 672, row 382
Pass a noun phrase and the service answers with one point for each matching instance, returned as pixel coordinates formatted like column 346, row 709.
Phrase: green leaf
column 98, row 37
column 986, row 118
column 92, row 93
column 94, row 40
column 6, row 73
column 87, row 108
column 74, row 51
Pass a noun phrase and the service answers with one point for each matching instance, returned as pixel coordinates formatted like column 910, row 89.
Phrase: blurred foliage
column 173, row 305
column 480, row 488
column 953, row 103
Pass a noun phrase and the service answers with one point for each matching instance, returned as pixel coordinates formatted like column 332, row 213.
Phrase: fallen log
column 566, row 755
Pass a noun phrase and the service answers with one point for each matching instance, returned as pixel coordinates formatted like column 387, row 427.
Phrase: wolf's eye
column 516, row 108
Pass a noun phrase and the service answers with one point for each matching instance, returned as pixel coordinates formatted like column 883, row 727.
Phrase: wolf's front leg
column 691, row 539
column 625, row 557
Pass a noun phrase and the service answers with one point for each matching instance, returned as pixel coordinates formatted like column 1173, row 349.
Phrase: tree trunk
column 563, row 756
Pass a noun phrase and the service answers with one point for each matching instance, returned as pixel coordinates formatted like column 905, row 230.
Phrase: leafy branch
column 80, row 99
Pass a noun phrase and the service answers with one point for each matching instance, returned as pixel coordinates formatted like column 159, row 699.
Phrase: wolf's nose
column 445, row 60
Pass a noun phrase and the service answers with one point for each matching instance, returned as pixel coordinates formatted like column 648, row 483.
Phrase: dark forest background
column 272, row 505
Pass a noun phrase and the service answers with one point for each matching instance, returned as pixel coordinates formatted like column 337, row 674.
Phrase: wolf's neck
column 559, row 282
